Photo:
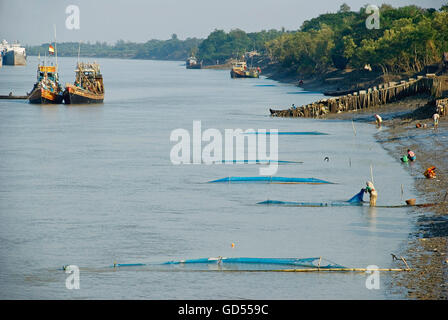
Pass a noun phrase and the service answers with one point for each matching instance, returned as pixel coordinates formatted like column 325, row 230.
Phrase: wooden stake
column 405, row 263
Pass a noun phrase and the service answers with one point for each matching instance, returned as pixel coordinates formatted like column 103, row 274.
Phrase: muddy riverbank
column 332, row 80
column 426, row 248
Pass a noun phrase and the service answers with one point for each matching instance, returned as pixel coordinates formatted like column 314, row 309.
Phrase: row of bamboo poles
column 363, row 99
column 444, row 104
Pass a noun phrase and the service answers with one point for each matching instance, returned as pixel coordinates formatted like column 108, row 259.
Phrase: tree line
column 221, row 46
column 171, row 49
column 408, row 39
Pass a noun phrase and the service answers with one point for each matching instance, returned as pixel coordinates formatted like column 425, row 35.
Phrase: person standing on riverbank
column 436, row 117
column 372, row 192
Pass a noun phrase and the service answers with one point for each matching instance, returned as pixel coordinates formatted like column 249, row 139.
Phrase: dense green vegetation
column 408, row 39
column 172, row 49
column 220, row 46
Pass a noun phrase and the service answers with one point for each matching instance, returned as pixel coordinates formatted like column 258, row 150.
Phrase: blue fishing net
column 357, row 198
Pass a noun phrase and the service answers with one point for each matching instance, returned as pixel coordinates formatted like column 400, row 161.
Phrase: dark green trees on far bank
column 220, row 46
column 408, row 39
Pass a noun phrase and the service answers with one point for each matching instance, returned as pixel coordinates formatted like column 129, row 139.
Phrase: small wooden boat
column 47, row 89
column 88, row 86
column 240, row 70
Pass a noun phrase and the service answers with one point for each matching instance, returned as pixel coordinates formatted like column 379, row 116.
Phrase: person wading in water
column 378, row 120
column 436, row 117
column 372, row 192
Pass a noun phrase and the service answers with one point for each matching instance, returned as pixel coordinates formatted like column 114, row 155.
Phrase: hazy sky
column 31, row 21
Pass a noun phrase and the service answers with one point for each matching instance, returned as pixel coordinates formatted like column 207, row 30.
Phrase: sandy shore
column 426, row 249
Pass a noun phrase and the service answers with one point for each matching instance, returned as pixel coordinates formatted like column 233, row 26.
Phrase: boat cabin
column 89, row 77
column 241, row 65
column 46, row 71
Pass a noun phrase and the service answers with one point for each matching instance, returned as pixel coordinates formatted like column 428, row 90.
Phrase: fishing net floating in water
column 356, row 200
column 242, row 264
column 292, row 133
column 261, row 161
column 259, row 179
column 236, row 264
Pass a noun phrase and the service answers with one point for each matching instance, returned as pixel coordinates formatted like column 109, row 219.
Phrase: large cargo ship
column 12, row 54
column 88, row 86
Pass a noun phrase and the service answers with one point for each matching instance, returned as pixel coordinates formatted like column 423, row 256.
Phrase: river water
column 94, row 185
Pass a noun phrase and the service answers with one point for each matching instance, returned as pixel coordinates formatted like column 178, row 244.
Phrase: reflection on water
column 49, row 112
column 372, row 218
column 87, row 111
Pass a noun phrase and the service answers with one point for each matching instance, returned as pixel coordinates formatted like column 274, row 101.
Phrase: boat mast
column 79, row 50
column 55, row 48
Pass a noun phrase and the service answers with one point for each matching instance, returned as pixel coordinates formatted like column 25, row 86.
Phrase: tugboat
column 192, row 63
column 88, row 86
column 47, row 88
column 240, row 70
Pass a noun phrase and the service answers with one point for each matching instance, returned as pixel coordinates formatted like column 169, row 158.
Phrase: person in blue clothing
column 411, row 155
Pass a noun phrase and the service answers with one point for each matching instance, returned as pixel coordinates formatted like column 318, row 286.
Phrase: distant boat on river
column 240, row 70
column 192, row 63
